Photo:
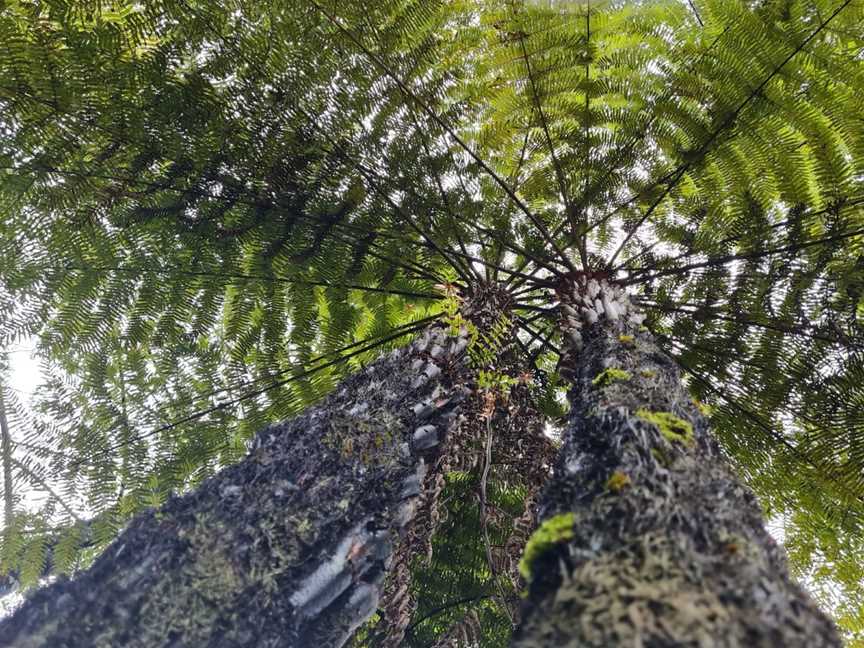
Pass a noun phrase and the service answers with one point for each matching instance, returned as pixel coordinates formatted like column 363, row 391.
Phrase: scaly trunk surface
column 647, row 538
column 291, row 546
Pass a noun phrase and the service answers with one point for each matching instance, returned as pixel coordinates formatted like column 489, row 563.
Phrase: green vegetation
column 211, row 213
column 617, row 482
column 609, row 376
column 557, row 529
column 671, row 428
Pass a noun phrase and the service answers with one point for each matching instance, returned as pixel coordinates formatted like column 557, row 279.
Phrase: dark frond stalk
column 820, row 470
column 713, row 314
column 532, row 307
column 525, row 295
column 514, row 177
column 348, row 235
column 40, row 449
column 532, row 258
column 556, row 164
column 42, row 484
column 454, row 220
column 646, row 276
column 531, row 277
column 488, row 264
column 788, row 407
column 463, row 272
column 314, row 365
column 582, row 238
column 695, row 13
column 545, row 342
column 342, row 355
column 835, row 207
column 372, row 178
column 137, row 270
column 622, row 152
column 646, row 536
column 407, row 265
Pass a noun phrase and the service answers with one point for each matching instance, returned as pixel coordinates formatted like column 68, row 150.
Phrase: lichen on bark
column 553, row 530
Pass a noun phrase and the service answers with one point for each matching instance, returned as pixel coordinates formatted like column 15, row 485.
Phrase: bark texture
column 647, row 538
column 291, row 546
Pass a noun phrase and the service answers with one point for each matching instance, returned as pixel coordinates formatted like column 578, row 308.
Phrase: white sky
column 24, row 370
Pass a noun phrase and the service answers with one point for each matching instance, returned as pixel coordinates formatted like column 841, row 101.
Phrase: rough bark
column 647, row 538
column 287, row 548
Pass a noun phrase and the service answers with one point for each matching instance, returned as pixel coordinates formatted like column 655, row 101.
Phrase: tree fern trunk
column 647, row 538
column 288, row 547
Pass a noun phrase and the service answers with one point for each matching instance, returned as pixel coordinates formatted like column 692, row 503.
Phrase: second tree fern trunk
column 646, row 537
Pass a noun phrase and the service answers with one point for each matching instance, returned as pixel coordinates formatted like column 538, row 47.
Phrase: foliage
column 214, row 211
column 456, row 586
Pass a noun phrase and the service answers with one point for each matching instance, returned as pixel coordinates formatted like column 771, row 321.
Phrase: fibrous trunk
column 647, row 538
column 290, row 547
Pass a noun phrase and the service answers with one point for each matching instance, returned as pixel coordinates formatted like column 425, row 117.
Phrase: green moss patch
column 704, row 409
column 553, row 531
column 609, row 376
column 617, row 482
column 672, row 428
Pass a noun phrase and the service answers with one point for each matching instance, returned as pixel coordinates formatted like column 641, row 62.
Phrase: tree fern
column 212, row 214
